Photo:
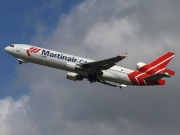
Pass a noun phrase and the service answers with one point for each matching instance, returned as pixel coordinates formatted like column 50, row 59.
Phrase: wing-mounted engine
column 70, row 66
column 74, row 76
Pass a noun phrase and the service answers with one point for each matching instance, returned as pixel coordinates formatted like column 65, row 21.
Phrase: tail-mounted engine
column 74, row 76
column 140, row 64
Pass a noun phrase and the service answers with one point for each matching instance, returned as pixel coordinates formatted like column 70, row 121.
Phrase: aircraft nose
column 7, row 49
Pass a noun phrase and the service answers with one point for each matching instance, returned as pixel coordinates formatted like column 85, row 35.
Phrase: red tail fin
column 162, row 61
column 159, row 65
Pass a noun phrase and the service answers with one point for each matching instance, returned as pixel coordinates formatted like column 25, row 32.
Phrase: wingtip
column 125, row 54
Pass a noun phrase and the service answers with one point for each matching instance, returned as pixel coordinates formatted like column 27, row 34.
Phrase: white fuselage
column 60, row 60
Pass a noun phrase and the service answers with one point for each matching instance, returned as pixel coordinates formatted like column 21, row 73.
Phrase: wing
column 92, row 67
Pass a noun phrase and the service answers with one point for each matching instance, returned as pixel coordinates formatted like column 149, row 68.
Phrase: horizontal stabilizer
column 156, row 77
column 171, row 72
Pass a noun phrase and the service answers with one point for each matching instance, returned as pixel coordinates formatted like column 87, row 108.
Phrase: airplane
column 103, row 71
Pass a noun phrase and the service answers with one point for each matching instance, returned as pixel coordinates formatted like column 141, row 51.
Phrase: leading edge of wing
column 105, row 64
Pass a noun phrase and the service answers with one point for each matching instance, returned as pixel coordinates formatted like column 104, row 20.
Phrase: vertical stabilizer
column 162, row 61
column 159, row 65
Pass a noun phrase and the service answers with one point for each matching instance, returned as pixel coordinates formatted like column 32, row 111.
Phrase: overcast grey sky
column 100, row 29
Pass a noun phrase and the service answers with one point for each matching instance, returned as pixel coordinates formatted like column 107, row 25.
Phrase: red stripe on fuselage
column 33, row 49
column 28, row 51
column 137, row 78
column 37, row 50
column 132, row 77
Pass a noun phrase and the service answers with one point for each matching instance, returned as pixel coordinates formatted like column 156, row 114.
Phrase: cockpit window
column 11, row 45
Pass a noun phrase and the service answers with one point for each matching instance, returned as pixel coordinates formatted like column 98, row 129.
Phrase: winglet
column 124, row 55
